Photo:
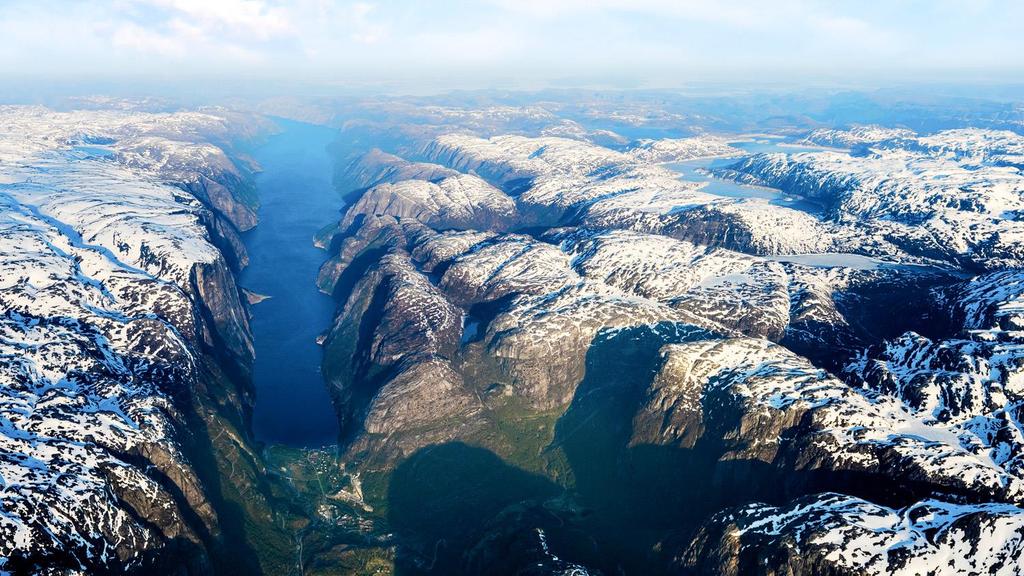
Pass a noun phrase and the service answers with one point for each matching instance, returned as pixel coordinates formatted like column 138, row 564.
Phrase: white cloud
column 136, row 38
column 731, row 12
column 556, row 37
column 255, row 18
column 473, row 47
column 365, row 30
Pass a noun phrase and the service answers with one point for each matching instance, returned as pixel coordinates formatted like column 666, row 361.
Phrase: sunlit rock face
column 112, row 295
column 824, row 380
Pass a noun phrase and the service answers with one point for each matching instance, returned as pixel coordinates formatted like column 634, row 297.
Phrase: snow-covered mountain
column 840, row 387
column 116, row 304
column 961, row 187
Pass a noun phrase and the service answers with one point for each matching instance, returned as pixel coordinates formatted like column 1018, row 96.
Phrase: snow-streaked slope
column 834, row 532
column 964, row 188
column 682, row 149
column 461, row 201
column 105, row 270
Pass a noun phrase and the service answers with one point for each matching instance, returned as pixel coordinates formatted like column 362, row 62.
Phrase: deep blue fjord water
column 296, row 200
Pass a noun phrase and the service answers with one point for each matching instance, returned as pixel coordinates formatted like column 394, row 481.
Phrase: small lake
column 861, row 262
column 696, row 171
column 297, row 199
column 93, row 151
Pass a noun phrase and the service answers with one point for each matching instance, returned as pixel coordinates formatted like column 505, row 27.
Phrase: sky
column 642, row 42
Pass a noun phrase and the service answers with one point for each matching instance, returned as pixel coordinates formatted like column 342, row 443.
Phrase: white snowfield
column 928, row 537
column 852, row 429
column 98, row 327
column 867, row 134
column 563, row 173
column 572, row 129
column 523, row 157
column 951, row 197
column 683, row 149
column 455, row 201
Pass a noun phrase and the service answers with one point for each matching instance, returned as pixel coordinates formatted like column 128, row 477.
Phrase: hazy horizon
column 406, row 46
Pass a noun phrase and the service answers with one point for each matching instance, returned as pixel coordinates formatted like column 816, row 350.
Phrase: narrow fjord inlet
column 530, row 288
column 296, row 200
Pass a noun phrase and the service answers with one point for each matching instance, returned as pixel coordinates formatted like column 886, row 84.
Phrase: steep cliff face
column 760, row 403
column 379, row 167
column 120, row 316
column 389, row 354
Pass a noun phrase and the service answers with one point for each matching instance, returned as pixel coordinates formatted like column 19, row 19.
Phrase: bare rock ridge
column 674, row 374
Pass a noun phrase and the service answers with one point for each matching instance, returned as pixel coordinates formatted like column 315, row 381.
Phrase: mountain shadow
column 442, row 497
